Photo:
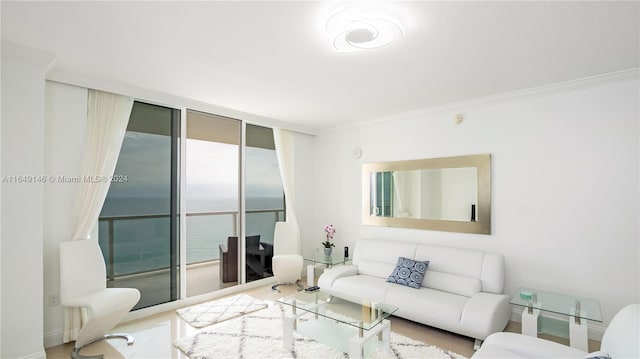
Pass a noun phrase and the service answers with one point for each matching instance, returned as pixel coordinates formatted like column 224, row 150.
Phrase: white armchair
column 287, row 261
column 83, row 284
column 620, row 340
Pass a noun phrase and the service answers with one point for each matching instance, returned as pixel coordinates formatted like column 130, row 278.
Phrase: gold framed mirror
column 451, row 194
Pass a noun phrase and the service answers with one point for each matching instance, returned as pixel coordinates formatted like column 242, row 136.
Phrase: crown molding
column 18, row 52
column 566, row 86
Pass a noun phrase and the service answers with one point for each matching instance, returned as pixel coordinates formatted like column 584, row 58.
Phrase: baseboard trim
column 53, row 338
column 595, row 331
column 39, row 355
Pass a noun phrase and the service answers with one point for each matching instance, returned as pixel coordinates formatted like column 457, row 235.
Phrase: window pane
column 264, row 199
column 135, row 230
column 212, row 190
column 381, row 194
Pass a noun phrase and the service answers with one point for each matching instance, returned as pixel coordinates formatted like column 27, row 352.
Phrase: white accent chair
column 287, row 261
column 83, row 284
column 620, row 340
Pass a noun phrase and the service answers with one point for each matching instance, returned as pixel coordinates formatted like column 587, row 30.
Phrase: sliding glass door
column 138, row 225
column 212, row 202
column 219, row 253
column 233, row 197
column 264, row 200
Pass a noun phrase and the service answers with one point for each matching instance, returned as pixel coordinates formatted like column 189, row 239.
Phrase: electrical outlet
column 54, row 300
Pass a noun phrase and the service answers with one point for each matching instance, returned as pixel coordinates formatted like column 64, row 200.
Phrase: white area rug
column 202, row 315
column 259, row 335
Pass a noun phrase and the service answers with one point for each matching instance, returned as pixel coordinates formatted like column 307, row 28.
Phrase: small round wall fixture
column 357, row 27
column 357, row 153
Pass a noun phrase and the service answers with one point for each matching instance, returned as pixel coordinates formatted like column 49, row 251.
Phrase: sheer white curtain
column 283, row 140
column 398, row 206
column 107, row 119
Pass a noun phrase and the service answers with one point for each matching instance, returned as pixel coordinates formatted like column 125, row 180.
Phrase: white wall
column 565, row 208
column 306, row 172
column 66, row 113
column 23, row 88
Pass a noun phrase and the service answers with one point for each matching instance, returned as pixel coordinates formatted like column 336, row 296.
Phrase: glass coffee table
column 579, row 310
column 347, row 325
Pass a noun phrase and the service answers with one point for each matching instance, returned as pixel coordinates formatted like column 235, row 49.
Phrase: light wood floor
column 154, row 335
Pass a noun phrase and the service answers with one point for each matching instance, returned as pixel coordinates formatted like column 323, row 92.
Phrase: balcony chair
column 229, row 260
column 287, row 261
column 620, row 340
column 83, row 284
column 258, row 256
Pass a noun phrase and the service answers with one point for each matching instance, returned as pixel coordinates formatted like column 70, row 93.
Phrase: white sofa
column 620, row 340
column 461, row 291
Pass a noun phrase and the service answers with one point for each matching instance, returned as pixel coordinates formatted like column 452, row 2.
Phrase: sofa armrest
column 329, row 276
column 486, row 313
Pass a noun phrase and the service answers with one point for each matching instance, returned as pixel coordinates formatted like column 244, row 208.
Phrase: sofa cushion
column 362, row 286
column 408, row 272
column 452, row 283
column 375, row 268
column 378, row 257
column 460, row 261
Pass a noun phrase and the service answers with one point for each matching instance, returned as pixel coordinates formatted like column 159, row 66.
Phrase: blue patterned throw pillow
column 408, row 272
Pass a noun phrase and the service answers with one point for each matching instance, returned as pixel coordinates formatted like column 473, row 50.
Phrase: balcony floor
column 154, row 286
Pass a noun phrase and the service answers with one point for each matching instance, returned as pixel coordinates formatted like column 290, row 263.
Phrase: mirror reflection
column 444, row 194
column 447, row 193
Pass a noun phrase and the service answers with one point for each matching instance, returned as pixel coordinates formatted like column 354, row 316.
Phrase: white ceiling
column 275, row 59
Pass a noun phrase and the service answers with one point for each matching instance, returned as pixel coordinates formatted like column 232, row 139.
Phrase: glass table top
column 566, row 304
column 334, row 258
column 360, row 313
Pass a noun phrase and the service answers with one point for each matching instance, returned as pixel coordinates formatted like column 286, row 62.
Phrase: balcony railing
column 140, row 243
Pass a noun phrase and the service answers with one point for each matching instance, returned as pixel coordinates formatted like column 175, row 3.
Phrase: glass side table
column 579, row 309
column 327, row 261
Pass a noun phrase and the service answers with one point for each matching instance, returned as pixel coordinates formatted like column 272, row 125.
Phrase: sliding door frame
column 175, row 209
column 183, row 203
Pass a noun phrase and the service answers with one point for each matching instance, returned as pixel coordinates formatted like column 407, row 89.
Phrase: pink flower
column 331, row 232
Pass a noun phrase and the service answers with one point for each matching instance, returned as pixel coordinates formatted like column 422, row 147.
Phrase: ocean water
column 141, row 243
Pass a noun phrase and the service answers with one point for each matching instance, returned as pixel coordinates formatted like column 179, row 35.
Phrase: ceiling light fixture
column 356, row 28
